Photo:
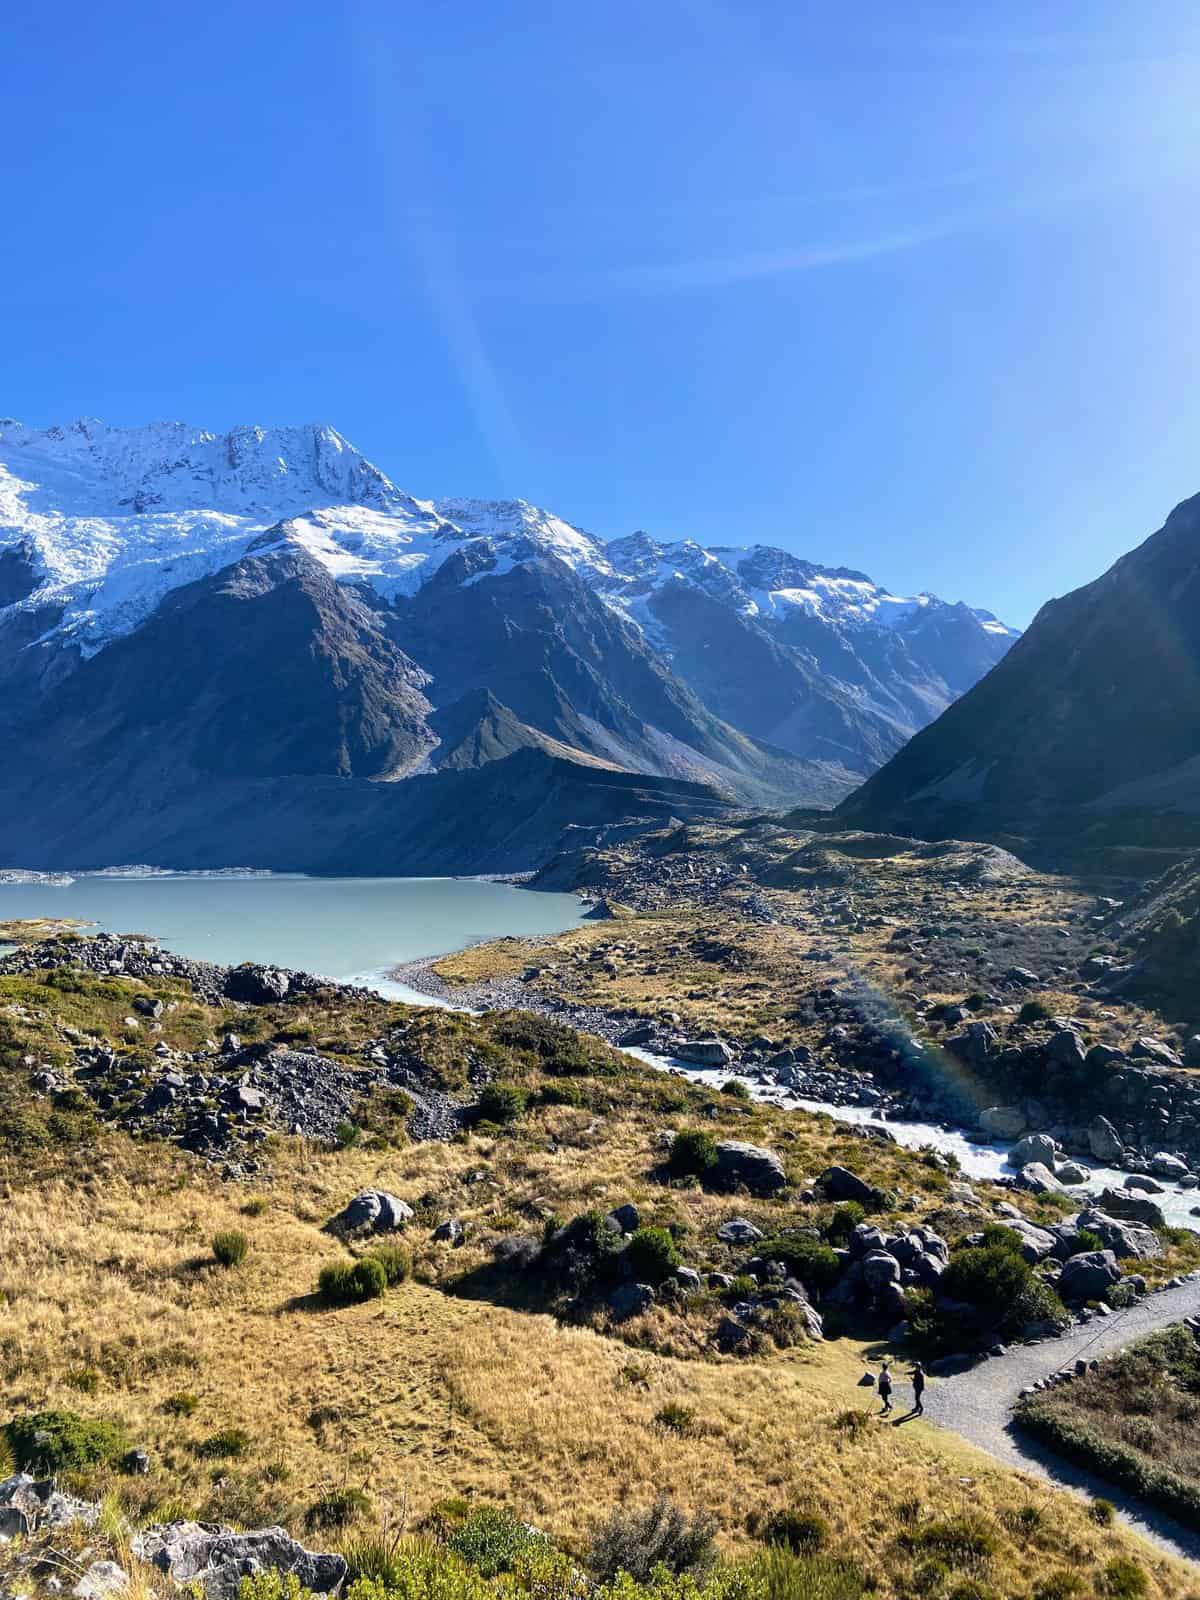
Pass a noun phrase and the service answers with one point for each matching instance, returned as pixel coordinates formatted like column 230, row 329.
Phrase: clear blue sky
column 908, row 287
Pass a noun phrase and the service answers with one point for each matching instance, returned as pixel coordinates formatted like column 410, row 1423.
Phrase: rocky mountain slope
column 1086, row 733
column 185, row 614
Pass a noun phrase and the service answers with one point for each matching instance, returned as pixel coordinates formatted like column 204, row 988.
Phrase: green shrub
column 1103, row 1512
column 225, row 1445
column 736, row 1089
column 1123, row 1579
column 86, row 1380
column 676, row 1418
column 988, row 1277
column 1061, row 1585
column 652, row 1255
column 345, row 1283
column 1034, row 1011
column 810, row 1260
column 637, row 1542
column 492, row 1540
column 255, row 1206
column 800, row 1531
column 781, row 1574
column 846, row 1217
column 48, row 1442
column 396, row 1261
column 230, row 1247
column 693, row 1154
column 180, row 1405
column 1086, row 1240
column 337, row 1508
column 346, row 1135
column 501, row 1103
column 959, row 1541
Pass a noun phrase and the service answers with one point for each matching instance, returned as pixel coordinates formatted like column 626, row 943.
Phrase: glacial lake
column 352, row 929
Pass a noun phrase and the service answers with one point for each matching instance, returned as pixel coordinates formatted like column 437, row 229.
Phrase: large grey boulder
column 1003, row 1122
column 1088, row 1276
column 28, row 1503
column 373, row 1210
column 839, row 1183
column 704, row 1052
column 1154, row 1050
column 880, row 1269
column 217, row 1559
column 1103, row 1140
column 739, row 1231
column 1070, row 1172
column 101, row 1580
column 1033, row 1147
column 1038, row 1179
column 1065, row 1048
column 630, row 1300
column 757, row 1169
column 1164, row 1165
column 1130, row 1207
column 1143, row 1184
column 1125, row 1238
column 256, row 985
column 1036, row 1243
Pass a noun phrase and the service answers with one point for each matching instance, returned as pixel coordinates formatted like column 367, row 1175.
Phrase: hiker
column 885, row 1389
column 917, row 1374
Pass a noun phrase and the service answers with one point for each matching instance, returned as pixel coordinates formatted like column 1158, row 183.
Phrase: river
column 357, row 929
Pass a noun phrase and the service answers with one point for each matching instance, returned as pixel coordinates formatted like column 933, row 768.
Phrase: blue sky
column 908, row 288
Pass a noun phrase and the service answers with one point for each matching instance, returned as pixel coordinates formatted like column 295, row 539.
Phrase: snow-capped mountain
column 268, row 603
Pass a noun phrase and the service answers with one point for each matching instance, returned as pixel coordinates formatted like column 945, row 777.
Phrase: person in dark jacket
column 917, row 1374
column 885, row 1389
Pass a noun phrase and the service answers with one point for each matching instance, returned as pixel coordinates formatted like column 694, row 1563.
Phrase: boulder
column 1065, row 1048
column 102, row 1579
column 739, row 1231
column 689, row 1280
column 1131, row 1208
column 451, row 1231
column 732, row 1335
column 640, row 1033
column 256, row 985
column 1088, row 1276
column 1103, row 1140
column 704, row 1052
column 630, row 1300
column 1125, row 1238
column 1144, row 1184
column 1070, row 1172
column 758, row 1170
column 28, row 1503
column 1038, row 1179
column 1191, row 1051
column 374, row 1211
column 624, row 1219
column 1033, row 1147
column 216, row 1559
column 1036, row 1243
column 1146, row 1049
column 1164, row 1165
column 879, row 1269
column 1003, row 1122
column 839, row 1183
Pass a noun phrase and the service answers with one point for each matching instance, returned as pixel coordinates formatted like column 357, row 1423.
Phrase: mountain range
column 253, row 647
column 1085, row 737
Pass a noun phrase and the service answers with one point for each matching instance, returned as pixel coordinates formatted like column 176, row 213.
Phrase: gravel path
column 978, row 1404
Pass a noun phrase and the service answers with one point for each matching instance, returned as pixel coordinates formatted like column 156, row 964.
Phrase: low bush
column 846, row 1217
column 501, row 1103
column 337, row 1508
column 344, row 1283
column 47, row 1442
column 958, row 1541
column 676, row 1418
column 799, row 1531
column 396, row 1261
column 493, row 1540
column 810, row 1260
column 1034, row 1011
column 180, row 1405
column 693, row 1154
column 781, row 1574
column 230, row 1248
column 1123, row 1579
column 652, row 1255
column 637, row 1542
column 226, row 1444
column 581, row 1255
column 736, row 1089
